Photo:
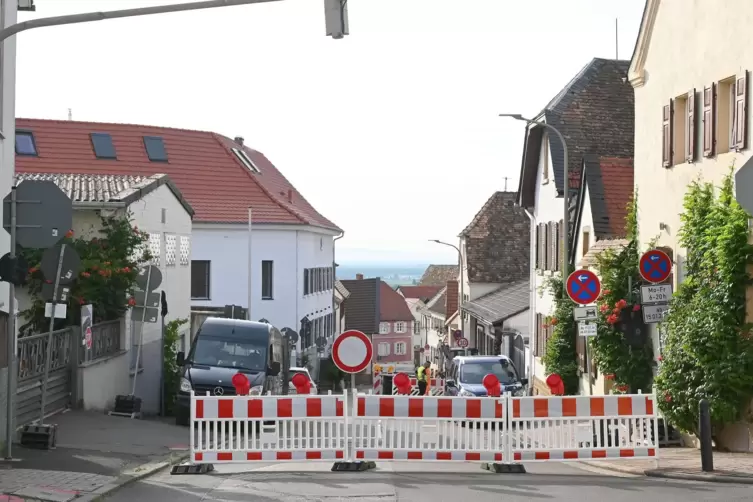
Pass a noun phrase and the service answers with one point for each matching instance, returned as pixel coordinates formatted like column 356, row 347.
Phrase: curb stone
column 140, row 472
column 709, row 478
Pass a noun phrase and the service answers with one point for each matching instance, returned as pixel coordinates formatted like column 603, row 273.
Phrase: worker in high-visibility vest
column 422, row 376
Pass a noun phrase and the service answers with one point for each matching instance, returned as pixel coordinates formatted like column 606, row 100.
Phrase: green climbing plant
column 629, row 366
column 708, row 347
column 171, row 370
column 561, row 351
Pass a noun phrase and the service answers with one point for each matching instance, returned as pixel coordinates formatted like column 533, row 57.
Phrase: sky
column 392, row 132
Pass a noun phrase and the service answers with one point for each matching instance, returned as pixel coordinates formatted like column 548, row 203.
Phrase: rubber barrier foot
column 192, row 469
column 353, row 466
column 42, row 437
column 504, row 468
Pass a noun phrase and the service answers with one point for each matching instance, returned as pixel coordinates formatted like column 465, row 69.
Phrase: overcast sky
column 391, row 132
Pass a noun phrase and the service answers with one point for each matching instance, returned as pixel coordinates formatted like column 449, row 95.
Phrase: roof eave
column 636, row 72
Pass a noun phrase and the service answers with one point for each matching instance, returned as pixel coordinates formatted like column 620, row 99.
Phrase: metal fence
column 105, row 341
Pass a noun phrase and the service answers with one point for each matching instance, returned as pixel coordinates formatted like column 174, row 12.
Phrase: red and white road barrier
column 501, row 430
column 436, row 388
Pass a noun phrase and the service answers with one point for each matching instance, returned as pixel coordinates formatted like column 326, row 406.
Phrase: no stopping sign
column 352, row 351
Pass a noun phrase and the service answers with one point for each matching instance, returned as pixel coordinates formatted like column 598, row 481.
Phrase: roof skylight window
column 246, row 160
column 103, row 147
column 155, row 148
column 25, row 144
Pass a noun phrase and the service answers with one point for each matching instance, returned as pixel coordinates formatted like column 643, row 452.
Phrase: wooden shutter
column 690, row 128
column 554, row 229
column 560, row 242
column 539, row 247
column 548, row 250
column 709, row 134
column 666, row 147
column 739, row 126
column 537, row 340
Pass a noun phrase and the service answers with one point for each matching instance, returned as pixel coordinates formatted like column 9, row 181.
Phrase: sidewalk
column 685, row 463
column 95, row 453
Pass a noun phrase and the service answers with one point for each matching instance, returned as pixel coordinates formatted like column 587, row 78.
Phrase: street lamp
column 566, row 190
column 462, row 276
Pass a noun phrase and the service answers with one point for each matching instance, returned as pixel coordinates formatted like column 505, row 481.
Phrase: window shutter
column 709, row 135
column 555, row 245
column 560, row 243
column 538, row 246
column 537, row 340
column 739, row 127
column 548, row 249
column 542, row 247
column 690, row 131
column 667, row 135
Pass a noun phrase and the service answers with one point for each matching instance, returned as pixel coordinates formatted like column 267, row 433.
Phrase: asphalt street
column 419, row 482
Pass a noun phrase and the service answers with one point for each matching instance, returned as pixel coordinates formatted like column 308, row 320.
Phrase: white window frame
column 400, row 348
column 400, row 327
column 383, row 349
column 384, row 328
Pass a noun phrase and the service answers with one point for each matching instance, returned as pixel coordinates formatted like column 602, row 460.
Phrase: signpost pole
column 141, row 331
column 48, row 352
column 11, row 336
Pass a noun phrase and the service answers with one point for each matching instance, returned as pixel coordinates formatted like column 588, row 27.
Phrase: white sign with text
column 656, row 293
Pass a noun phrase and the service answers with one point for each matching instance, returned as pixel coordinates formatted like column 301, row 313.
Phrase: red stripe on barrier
column 498, row 457
column 415, row 455
column 570, row 454
column 385, row 455
column 624, row 406
column 284, row 408
column 198, row 457
column 651, row 452
column 338, row 407
column 517, row 456
column 516, row 408
column 339, row 454
column 361, row 407
column 224, row 456
column 387, row 407
column 471, row 457
column 498, row 410
column 444, row 455
column 569, row 407
column 255, row 408
column 649, row 406
column 627, row 453
column 359, row 454
column 313, row 407
column 540, row 407
column 599, row 454
column 224, row 408
column 541, row 455
column 199, row 408
column 444, row 408
column 597, row 407
column 284, row 455
column 472, row 408
column 253, row 455
column 415, row 407
column 313, row 455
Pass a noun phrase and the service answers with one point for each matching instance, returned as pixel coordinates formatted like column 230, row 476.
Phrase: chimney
column 239, row 140
column 359, row 277
column 290, row 195
column 451, row 298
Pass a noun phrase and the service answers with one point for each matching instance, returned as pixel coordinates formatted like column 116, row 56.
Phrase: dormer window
column 103, row 147
column 25, row 144
column 246, row 160
column 155, row 148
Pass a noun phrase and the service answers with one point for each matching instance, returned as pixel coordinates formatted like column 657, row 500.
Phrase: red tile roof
column 392, row 306
column 218, row 186
column 420, row 292
column 617, row 178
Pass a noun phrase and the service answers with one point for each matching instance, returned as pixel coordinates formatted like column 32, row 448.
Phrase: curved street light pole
column 565, row 190
column 462, row 279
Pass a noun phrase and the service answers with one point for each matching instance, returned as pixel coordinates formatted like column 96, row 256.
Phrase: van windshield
column 211, row 351
column 473, row 373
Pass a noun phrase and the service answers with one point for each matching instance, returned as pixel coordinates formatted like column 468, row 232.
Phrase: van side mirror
column 524, row 381
column 181, row 358
column 450, row 383
column 274, row 368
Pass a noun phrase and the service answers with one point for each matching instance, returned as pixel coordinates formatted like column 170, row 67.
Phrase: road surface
column 420, row 482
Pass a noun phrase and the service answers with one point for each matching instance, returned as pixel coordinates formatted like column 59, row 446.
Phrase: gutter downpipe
column 532, row 301
column 335, row 319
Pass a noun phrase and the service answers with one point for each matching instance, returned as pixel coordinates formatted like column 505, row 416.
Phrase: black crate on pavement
column 42, row 437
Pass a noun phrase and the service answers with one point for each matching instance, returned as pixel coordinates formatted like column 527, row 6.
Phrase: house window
column 267, row 279
column 25, row 143
column 155, row 148
column 586, row 241
column 384, row 328
column 545, row 160
column 400, row 349
column 416, row 328
column 383, row 349
column 245, row 160
column 679, row 128
column 305, row 281
column 400, row 327
column 725, row 114
column 200, row 275
column 103, row 147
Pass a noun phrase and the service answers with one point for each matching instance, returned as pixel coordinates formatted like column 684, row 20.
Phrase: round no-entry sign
column 352, row 351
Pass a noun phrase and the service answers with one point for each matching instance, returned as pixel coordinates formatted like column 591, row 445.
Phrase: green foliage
column 708, row 351
column 631, row 368
column 108, row 272
column 561, row 352
column 169, row 362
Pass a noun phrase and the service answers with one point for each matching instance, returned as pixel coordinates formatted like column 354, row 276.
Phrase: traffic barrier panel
column 560, row 428
column 241, row 429
column 429, row 428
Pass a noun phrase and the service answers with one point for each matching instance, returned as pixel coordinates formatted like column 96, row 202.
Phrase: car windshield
column 473, row 373
column 229, row 354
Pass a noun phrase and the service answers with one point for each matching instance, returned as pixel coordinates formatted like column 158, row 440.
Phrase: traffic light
column 336, row 18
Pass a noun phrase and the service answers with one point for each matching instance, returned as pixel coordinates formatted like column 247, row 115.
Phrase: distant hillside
column 392, row 275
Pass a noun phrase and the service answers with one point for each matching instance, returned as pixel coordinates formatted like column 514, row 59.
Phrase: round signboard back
column 462, row 342
column 655, row 266
column 583, row 287
column 352, row 351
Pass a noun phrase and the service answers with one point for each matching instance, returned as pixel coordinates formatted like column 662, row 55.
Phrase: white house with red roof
column 292, row 245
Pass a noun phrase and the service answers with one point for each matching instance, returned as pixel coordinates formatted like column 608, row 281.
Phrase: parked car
column 294, row 370
column 466, row 375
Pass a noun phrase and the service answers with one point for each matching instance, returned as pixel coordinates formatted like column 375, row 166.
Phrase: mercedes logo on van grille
column 218, row 391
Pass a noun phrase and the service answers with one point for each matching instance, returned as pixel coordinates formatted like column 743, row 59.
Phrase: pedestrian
column 421, row 376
